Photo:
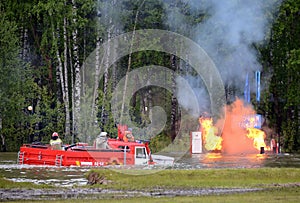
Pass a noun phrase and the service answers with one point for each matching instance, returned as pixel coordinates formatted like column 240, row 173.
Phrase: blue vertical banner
column 257, row 79
column 247, row 89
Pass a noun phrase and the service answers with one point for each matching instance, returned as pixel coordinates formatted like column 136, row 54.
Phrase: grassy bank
column 277, row 184
column 275, row 195
column 206, row 178
column 178, row 179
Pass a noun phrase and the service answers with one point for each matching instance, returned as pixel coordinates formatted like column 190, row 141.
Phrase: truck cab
column 137, row 152
column 141, row 156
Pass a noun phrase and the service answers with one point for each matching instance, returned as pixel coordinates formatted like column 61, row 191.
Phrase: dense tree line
column 44, row 43
column 280, row 58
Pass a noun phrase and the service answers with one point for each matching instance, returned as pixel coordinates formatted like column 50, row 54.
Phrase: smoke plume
column 228, row 31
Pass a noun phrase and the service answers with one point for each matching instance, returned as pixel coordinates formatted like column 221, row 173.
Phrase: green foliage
column 15, row 84
column 50, row 116
column 106, row 122
column 159, row 142
column 281, row 59
column 37, row 27
column 293, row 70
column 291, row 140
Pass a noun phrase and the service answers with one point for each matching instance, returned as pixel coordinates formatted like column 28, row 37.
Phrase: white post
column 125, row 149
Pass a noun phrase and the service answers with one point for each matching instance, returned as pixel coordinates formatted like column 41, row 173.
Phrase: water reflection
column 45, row 175
column 219, row 160
column 8, row 158
column 64, row 176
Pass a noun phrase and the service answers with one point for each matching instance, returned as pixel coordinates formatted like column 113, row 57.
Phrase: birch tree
column 77, row 77
column 65, row 87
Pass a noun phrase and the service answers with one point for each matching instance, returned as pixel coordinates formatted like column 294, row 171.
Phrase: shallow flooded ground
column 219, row 160
column 75, row 176
column 64, row 176
column 70, row 177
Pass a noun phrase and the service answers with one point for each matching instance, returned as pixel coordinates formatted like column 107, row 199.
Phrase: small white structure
column 163, row 160
column 196, row 142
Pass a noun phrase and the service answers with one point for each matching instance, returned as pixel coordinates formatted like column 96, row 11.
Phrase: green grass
column 277, row 185
column 206, row 178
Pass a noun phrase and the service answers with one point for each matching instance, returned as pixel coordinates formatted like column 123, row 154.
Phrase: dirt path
column 80, row 193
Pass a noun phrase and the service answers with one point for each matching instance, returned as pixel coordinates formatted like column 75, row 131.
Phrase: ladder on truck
column 58, row 160
column 20, row 157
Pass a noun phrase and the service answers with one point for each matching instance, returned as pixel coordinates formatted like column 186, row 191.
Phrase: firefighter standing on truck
column 128, row 136
column 55, row 141
column 101, row 141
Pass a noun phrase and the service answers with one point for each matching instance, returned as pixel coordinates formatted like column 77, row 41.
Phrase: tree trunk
column 3, row 145
column 59, row 71
column 97, row 77
column 73, row 92
column 62, row 80
column 150, row 104
column 77, row 83
column 113, row 78
column 84, row 115
column 129, row 62
column 173, row 100
column 66, row 86
column 105, row 75
column 25, row 46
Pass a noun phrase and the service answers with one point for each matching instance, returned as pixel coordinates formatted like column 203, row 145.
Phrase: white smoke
column 184, row 94
column 228, row 33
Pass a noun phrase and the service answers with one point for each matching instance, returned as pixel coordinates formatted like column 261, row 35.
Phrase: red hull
column 84, row 155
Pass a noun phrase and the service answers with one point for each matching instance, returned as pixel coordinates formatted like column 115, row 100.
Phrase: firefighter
column 55, row 141
column 101, row 141
column 128, row 136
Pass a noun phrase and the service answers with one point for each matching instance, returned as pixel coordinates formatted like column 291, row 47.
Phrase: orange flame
column 238, row 132
column 211, row 141
column 258, row 137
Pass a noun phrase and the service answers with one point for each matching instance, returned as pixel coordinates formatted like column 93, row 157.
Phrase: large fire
column 239, row 134
column 209, row 133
